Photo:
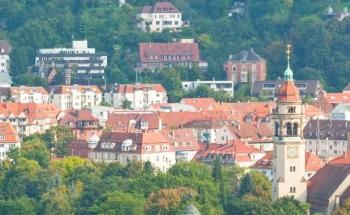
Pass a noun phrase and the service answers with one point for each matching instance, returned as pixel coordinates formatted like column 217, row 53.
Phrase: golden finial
column 289, row 51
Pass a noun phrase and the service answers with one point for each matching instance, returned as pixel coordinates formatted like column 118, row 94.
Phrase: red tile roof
column 155, row 52
column 28, row 90
column 74, row 116
column 182, row 139
column 177, row 119
column 7, row 133
column 125, row 121
column 160, row 7
column 63, row 89
column 30, row 110
column 130, row 88
column 344, row 159
column 288, row 92
column 198, row 103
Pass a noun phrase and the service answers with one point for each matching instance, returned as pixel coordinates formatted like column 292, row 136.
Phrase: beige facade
column 289, row 152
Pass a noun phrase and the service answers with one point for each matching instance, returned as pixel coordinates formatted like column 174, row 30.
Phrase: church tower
column 289, row 146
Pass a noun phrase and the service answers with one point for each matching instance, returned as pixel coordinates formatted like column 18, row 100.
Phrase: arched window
column 295, row 129
column 277, row 129
column 289, row 129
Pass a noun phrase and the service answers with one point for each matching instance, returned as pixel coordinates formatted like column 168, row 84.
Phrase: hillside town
column 294, row 133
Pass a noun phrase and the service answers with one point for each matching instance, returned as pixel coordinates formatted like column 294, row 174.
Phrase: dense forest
column 321, row 45
column 34, row 181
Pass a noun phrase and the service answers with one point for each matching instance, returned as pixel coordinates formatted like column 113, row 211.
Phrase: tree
column 18, row 206
column 119, row 203
column 247, row 185
column 217, row 169
column 287, row 205
column 57, row 201
column 126, row 104
column 35, row 148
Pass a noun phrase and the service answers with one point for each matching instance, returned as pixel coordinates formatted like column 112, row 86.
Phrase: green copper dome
column 288, row 74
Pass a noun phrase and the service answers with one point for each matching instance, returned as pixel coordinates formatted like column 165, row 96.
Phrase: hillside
column 321, row 45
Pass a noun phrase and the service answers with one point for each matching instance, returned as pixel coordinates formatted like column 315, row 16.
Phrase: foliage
column 126, row 104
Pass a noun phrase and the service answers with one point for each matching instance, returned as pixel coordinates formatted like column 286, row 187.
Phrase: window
column 277, row 129
column 289, row 128
column 295, row 129
column 291, row 109
column 292, row 168
column 292, row 189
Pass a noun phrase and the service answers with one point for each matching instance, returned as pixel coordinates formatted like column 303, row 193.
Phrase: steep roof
column 324, row 183
column 7, row 133
column 247, row 56
column 322, row 129
column 199, row 103
column 73, row 116
column 159, row 52
column 131, row 88
column 177, row 119
column 160, row 7
column 124, row 121
column 182, row 139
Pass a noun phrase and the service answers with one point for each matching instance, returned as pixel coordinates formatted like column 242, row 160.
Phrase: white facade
column 327, row 148
column 24, row 94
column 76, row 97
column 4, row 62
column 157, row 22
column 226, row 86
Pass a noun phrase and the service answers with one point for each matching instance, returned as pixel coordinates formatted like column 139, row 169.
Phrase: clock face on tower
column 292, row 151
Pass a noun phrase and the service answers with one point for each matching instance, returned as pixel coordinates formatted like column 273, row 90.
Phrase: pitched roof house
column 8, row 139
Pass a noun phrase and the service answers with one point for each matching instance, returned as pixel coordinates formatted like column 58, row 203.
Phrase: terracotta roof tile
column 28, row 90
column 7, row 133
column 199, row 103
column 130, row 88
column 124, row 121
column 344, row 159
column 68, row 89
column 288, row 92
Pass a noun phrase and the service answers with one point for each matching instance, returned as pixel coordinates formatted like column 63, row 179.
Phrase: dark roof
column 4, row 91
column 246, row 56
column 5, row 45
column 205, row 123
column 324, row 183
column 306, row 87
column 160, row 7
column 331, row 129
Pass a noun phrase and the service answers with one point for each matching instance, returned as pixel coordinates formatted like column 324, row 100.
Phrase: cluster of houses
column 139, row 124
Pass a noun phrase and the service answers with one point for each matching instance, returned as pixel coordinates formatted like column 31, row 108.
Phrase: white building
column 88, row 65
column 24, row 94
column 75, row 97
column 8, row 139
column 140, row 96
column 327, row 138
column 125, row 147
column 160, row 16
column 226, row 86
column 5, row 51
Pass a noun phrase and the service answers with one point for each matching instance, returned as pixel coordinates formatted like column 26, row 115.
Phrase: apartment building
column 75, row 97
column 88, row 66
column 24, row 94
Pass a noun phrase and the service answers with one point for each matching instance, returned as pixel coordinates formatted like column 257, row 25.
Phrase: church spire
column 288, row 74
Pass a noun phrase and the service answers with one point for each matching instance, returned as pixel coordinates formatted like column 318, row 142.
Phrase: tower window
column 292, row 189
column 289, row 129
column 291, row 109
column 295, row 129
column 292, row 168
column 277, row 129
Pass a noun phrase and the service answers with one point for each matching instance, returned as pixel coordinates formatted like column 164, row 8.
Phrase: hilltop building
column 289, row 147
column 245, row 67
column 160, row 16
column 153, row 56
column 226, row 86
column 5, row 51
column 87, row 65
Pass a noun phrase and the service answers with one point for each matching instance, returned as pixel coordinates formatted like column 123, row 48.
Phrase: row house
column 134, row 121
column 24, row 94
column 327, row 138
column 140, row 96
column 124, row 147
column 82, row 123
column 160, row 16
column 29, row 118
column 245, row 67
column 184, row 141
column 155, row 56
column 8, row 139
column 265, row 165
column 233, row 153
column 206, row 129
column 75, row 97
column 89, row 66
